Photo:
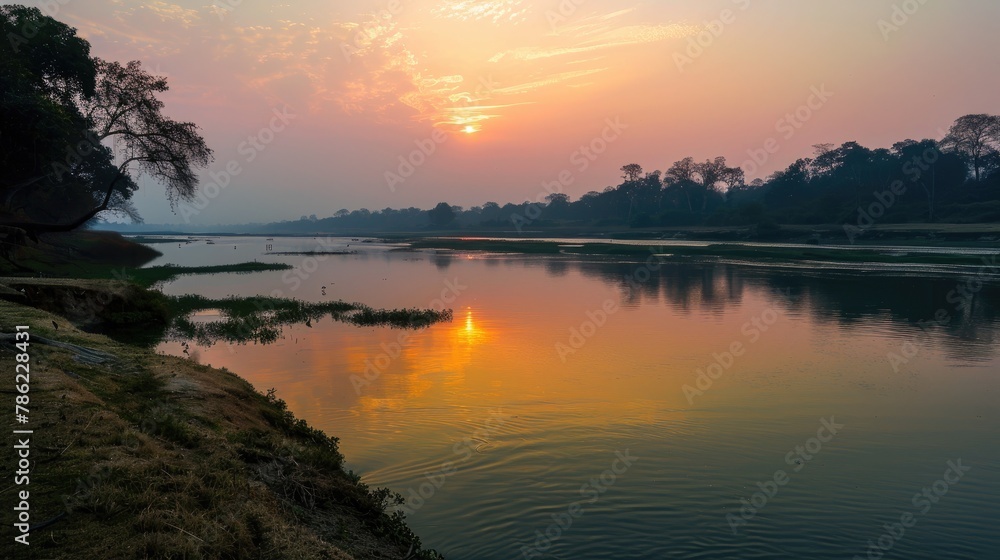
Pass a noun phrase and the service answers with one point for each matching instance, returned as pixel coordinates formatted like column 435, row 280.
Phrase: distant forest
column 952, row 180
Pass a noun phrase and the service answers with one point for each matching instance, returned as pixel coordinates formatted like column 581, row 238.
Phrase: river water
column 590, row 408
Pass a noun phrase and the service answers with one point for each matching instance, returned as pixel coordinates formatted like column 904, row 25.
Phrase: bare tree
column 124, row 110
column 976, row 137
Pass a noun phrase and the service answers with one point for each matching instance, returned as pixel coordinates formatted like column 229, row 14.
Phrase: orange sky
column 507, row 92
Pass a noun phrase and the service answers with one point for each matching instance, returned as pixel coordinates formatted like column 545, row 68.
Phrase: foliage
column 261, row 319
column 154, row 274
column 442, row 215
column 62, row 113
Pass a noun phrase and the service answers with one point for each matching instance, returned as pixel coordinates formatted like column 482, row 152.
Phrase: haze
column 517, row 87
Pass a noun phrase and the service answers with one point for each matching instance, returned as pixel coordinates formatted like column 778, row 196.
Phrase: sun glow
column 470, row 129
column 470, row 333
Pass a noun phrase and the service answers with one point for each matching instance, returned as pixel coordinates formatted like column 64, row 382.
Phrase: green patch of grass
column 313, row 253
column 142, row 385
column 260, row 319
column 154, row 240
column 147, row 277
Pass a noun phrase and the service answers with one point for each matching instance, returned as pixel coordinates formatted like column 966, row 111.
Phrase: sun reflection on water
column 470, row 332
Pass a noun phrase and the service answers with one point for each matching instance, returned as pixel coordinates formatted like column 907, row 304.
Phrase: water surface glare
column 589, row 408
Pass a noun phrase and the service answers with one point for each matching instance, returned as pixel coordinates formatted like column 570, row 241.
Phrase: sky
column 313, row 105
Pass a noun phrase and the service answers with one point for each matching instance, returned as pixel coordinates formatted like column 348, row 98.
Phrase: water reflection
column 402, row 402
column 964, row 309
column 442, row 260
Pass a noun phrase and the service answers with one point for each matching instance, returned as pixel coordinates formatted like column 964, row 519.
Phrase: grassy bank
column 102, row 254
column 150, row 456
column 148, row 240
column 725, row 251
column 164, row 273
column 79, row 254
column 138, row 455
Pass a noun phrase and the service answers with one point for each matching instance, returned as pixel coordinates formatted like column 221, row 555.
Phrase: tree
column 631, row 172
column 557, row 198
column 710, row 174
column 976, row 137
column 788, row 187
column 850, row 164
column 39, row 123
column 681, row 171
column 734, row 178
column 824, row 158
column 682, row 176
column 557, row 206
column 61, row 109
column 125, row 109
column 926, row 165
column 442, row 215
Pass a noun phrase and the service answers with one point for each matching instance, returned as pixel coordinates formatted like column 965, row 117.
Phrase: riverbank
column 140, row 455
column 78, row 254
column 772, row 253
column 925, row 234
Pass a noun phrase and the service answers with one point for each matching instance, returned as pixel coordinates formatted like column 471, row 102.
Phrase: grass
column 142, row 316
column 125, row 307
column 145, row 240
column 153, row 456
column 164, row 273
column 313, row 253
column 727, row 251
column 260, row 319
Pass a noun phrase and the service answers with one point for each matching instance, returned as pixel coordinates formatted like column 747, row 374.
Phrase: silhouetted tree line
column 952, row 180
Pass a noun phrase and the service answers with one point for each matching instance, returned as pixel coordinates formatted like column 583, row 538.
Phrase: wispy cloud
column 550, row 80
column 601, row 39
column 494, row 11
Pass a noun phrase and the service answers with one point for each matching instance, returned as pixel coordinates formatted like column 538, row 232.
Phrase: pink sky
column 516, row 88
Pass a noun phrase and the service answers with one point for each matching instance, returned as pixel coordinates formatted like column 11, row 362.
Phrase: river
column 593, row 408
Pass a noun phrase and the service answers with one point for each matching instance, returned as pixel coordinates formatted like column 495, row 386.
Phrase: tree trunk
column 32, row 229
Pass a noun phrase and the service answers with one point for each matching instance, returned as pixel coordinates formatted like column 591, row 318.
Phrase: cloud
column 601, row 39
column 494, row 11
column 550, row 80
column 167, row 12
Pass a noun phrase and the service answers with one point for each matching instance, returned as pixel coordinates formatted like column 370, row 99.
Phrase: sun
column 469, row 129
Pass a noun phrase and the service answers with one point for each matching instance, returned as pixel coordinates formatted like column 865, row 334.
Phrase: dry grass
column 158, row 457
